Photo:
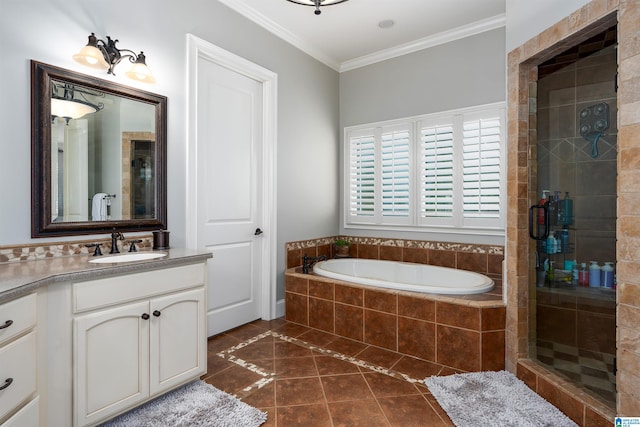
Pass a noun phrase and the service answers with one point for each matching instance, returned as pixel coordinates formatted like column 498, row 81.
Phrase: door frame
column 197, row 49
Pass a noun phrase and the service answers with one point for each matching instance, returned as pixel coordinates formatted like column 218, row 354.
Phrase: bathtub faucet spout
column 307, row 262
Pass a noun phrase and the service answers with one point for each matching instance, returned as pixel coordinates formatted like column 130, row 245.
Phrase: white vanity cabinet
column 18, row 363
column 135, row 337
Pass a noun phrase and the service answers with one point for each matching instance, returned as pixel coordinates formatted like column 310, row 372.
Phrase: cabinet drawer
column 16, row 317
column 115, row 290
column 17, row 363
column 29, row 416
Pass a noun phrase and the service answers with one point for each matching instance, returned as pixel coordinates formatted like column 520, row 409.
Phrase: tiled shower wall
column 564, row 158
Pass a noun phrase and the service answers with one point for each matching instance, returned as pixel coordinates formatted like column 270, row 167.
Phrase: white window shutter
column 395, row 173
column 481, row 168
column 362, row 173
column 436, row 171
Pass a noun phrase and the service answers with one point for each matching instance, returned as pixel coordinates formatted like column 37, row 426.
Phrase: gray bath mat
column 490, row 399
column 196, row 404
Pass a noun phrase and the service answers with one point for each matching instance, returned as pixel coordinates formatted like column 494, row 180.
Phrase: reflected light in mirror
column 70, row 109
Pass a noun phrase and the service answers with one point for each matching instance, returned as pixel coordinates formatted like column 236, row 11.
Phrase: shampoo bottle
column 574, row 273
column 543, row 201
column 564, row 237
column 567, row 210
column 583, row 275
column 551, row 244
column 606, row 277
column 594, row 275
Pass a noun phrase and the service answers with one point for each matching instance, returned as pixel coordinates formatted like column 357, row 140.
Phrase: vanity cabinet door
column 111, row 360
column 178, row 339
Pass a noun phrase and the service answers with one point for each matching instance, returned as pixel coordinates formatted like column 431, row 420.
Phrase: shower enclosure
column 573, row 222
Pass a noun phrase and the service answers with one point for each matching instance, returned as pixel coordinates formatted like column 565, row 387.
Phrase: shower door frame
column 593, row 18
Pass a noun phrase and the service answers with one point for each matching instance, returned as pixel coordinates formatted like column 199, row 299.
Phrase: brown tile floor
column 303, row 377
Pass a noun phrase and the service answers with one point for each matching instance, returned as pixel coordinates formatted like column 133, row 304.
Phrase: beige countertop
column 21, row 277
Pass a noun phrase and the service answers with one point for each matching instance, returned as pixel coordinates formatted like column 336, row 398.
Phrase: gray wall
column 52, row 30
column 462, row 73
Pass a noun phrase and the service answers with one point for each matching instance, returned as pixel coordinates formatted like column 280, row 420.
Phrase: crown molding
column 281, row 32
column 458, row 33
column 474, row 28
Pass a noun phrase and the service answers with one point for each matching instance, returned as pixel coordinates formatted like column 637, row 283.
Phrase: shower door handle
column 533, row 223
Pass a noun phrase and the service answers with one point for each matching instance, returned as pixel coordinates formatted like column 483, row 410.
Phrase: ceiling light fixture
column 105, row 55
column 317, row 3
column 65, row 103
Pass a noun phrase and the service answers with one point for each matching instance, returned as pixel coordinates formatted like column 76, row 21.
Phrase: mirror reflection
column 98, row 150
column 103, row 150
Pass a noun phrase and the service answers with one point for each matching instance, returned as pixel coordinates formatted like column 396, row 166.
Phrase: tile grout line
column 269, row 377
column 350, row 359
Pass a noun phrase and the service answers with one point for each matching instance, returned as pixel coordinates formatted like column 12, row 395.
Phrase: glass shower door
column 573, row 221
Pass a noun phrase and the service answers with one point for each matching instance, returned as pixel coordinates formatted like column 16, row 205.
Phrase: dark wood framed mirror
column 98, row 155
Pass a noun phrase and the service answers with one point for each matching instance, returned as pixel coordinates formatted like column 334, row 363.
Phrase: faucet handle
column 132, row 247
column 97, row 251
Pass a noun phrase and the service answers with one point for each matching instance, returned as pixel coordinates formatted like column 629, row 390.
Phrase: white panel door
column 76, row 171
column 229, row 162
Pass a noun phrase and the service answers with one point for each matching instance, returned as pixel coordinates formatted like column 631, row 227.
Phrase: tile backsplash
column 31, row 252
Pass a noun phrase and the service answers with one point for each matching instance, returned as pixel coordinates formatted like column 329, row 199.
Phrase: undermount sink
column 136, row 256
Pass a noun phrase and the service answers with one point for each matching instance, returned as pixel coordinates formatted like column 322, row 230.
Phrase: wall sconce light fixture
column 105, row 55
column 317, row 3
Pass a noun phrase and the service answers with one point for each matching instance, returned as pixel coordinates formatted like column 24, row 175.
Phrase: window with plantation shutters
column 437, row 172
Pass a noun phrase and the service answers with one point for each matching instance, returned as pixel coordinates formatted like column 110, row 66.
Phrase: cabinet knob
column 6, row 384
column 145, row 316
column 157, row 313
column 7, row 324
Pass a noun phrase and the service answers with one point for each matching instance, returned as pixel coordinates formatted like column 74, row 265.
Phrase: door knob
column 258, row 232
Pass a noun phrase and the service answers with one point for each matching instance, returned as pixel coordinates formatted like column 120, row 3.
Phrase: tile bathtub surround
column 484, row 259
column 464, row 333
column 15, row 253
column 591, row 19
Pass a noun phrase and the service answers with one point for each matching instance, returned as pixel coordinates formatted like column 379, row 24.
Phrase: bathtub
column 405, row 276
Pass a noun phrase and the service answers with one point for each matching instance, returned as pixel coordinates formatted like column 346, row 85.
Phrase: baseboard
column 280, row 308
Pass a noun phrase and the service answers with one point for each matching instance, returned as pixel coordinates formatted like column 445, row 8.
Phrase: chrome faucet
column 115, row 236
column 307, row 262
